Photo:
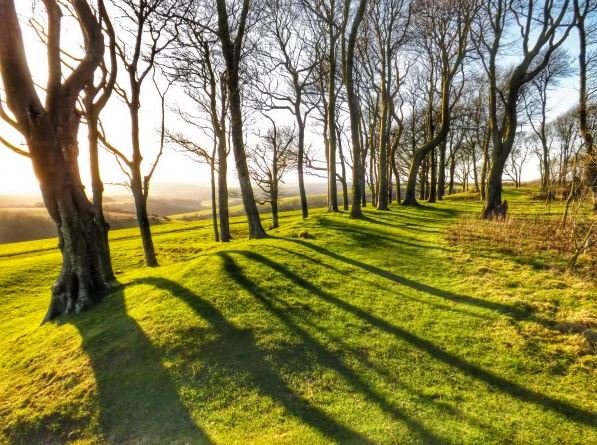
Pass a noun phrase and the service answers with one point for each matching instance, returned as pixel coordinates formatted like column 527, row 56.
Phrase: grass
column 376, row 330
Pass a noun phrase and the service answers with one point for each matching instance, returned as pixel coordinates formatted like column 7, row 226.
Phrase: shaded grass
column 376, row 330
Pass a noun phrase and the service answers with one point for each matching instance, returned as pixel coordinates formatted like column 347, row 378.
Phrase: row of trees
column 405, row 95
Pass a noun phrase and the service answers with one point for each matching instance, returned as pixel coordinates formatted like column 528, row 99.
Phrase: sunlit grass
column 372, row 330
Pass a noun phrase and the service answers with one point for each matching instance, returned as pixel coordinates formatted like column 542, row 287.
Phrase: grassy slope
column 374, row 330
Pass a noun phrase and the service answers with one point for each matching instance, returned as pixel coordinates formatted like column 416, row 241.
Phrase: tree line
column 408, row 100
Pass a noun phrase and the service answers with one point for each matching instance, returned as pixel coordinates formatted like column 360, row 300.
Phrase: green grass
column 373, row 331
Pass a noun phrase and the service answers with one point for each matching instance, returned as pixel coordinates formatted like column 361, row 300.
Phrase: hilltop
column 331, row 330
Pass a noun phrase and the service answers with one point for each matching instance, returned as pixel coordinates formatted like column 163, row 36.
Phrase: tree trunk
column 484, row 168
column 382, row 197
column 274, row 204
column 441, row 176
column 358, row 192
column 223, row 187
column 231, row 52
column 301, row 162
column 236, row 123
column 452, row 173
column 331, row 115
column 97, row 187
column 493, row 204
column 144, row 226
column 139, row 195
column 214, row 202
column 433, row 185
column 434, row 141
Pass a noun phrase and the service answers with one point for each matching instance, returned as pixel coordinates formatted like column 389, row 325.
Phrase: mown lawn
column 370, row 331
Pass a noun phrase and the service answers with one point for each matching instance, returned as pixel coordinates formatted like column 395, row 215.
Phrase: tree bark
column 214, row 202
column 358, row 191
column 441, row 176
column 231, row 51
column 51, row 135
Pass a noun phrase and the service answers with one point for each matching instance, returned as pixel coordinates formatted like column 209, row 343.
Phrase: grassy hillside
column 369, row 331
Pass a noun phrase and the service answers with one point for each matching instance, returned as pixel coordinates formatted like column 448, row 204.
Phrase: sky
column 16, row 173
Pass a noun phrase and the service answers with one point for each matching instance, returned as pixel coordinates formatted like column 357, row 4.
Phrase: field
column 360, row 331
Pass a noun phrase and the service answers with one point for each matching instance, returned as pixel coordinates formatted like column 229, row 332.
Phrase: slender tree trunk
column 301, row 161
column 97, row 187
column 475, row 174
column 274, row 203
column 231, row 52
column 441, row 176
column 355, row 117
column 214, row 202
column 223, row 187
column 485, row 166
column 136, row 182
column 144, row 225
column 382, row 198
column 236, row 126
column 332, row 185
column 433, row 185
column 452, row 173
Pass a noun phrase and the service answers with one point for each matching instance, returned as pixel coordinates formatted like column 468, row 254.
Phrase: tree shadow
column 374, row 283
column 329, row 359
column 511, row 388
column 518, row 313
column 366, row 236
column 235, row 349
column 138, row 400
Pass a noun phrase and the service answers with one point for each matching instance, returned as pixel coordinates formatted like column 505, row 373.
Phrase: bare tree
column 270, row 161
column 50, row 131
column 203, row 156
column 290, row 64
column 354, row 110
column 96, row 96
column 585, row 12
column 444, row 33
column 543, row 29
column 232, row 49
column 196, row 65
column 145, row 23
column 536, row 98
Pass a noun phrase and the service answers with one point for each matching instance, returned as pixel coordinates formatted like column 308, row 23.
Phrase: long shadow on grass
column 138, row 400
column 236, row 350
column 513, row 389
column 368, row 236
column 512, row 311
column 373, row 282
column 325, row 357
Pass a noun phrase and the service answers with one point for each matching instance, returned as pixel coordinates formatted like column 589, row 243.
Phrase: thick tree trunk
column 51, row 135
column 494, row 207
column 83, row 281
